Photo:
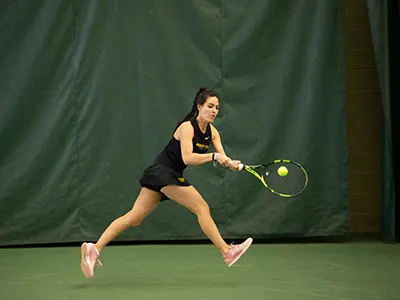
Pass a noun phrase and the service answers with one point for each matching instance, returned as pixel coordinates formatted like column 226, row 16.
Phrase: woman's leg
column 190, row 198
column 144, row 204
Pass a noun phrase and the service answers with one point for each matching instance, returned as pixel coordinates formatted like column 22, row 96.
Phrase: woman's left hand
column 234, row 165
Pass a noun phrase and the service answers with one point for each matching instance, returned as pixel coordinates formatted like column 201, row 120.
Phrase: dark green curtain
column 381, row 19
column 91, row 91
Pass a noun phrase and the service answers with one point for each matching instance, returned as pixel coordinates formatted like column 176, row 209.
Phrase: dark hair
column 201, row 97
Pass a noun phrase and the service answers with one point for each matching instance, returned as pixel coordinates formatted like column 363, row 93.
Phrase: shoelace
column 98, row 262
column 235, row 248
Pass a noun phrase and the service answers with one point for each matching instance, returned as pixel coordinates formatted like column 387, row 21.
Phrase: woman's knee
column 133, row 219
column 202, row 208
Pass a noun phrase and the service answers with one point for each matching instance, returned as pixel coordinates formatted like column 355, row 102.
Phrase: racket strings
column 292, row 183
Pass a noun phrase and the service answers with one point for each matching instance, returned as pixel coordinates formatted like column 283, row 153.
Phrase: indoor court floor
column 340, row 271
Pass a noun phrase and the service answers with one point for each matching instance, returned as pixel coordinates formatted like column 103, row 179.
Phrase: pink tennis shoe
column 236, row 251
column 89, row 258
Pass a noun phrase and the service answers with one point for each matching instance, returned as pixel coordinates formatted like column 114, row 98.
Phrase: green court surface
column 267, row 271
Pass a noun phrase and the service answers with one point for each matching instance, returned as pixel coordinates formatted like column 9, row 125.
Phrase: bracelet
column 214, row 159
column 214, row 156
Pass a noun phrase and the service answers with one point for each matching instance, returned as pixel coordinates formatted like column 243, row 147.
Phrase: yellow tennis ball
column 282, row 171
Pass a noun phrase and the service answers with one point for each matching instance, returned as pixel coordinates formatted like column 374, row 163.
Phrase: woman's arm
column 185, row 135
column 216, row 141
column 217, row 144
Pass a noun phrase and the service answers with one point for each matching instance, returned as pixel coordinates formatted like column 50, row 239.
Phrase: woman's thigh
column 186, row 196
column 146, row 201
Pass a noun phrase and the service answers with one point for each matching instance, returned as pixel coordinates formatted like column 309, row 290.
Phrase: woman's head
column 205, row 105
column 208, row 110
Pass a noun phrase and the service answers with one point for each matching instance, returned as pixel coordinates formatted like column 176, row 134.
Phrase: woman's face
column 209, row 110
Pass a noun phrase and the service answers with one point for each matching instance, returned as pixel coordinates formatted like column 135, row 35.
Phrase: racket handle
column 241, row 166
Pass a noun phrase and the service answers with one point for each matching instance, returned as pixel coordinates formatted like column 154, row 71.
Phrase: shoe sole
column 244, row 251
column 86, row 270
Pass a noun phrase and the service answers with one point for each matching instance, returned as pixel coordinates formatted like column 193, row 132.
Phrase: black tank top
column 171, row 156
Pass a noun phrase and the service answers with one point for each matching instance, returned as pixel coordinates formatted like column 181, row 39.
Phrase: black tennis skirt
column 158, row 176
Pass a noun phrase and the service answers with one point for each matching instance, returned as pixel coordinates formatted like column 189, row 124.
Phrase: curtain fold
column 382, row 36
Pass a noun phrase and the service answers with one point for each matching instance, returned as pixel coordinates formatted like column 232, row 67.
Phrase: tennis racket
column 282, row 177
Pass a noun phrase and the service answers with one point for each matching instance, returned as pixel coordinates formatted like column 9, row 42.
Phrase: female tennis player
column 164, row 179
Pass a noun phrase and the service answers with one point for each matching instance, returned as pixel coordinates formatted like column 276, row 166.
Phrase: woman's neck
column 202, row 124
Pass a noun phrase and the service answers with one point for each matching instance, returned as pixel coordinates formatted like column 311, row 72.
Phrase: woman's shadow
column 155, row 280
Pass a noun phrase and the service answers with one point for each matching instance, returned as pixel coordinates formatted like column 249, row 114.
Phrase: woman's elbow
column 186, row 159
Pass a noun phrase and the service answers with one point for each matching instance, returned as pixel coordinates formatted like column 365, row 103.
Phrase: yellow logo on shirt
column 202, row 146
column 181, row 179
